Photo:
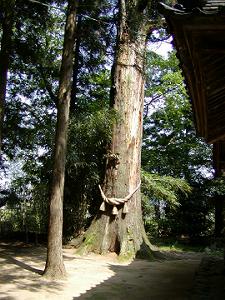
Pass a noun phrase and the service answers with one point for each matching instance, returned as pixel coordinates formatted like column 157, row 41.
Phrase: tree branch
column 47, row 85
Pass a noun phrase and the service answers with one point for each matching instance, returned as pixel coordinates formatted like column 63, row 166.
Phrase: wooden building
column 199, row 36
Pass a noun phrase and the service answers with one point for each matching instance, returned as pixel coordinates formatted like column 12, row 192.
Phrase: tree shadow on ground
column 19, row 275
column 91, row 277
column 22, row 250
column 97, row 277
column 147, row 280
column 11, row 260
column 167, row 280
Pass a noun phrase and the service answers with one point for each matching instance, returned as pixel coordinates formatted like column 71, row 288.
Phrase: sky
column 162, row 48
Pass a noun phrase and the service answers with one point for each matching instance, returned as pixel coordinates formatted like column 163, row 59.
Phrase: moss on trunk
column 124, row 233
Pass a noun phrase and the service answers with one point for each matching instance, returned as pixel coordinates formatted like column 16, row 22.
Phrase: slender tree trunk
column 76, row 67
column 114, row 230
column 7, row 7
column 54, row 265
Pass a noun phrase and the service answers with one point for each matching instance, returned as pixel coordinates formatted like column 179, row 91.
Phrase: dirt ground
column 103, row 278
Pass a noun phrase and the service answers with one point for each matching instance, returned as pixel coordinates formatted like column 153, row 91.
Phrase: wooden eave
column 199, row 37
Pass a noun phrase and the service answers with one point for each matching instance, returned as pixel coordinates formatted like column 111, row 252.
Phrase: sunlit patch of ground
column 94, row 276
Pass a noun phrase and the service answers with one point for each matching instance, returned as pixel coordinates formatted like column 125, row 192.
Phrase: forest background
column 178, row 184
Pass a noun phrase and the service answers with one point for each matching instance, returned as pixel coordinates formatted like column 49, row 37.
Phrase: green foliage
column 173, row 158
column 88, row 137
column 159, row 193
column 165, row 188
column 23, row 213
column 169, row 132
column 31, row 107
column 171, row 148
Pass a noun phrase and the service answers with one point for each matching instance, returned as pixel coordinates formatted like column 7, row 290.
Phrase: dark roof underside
column 199, row 37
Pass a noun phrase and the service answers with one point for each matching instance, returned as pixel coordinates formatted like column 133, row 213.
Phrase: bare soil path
column 94, row 277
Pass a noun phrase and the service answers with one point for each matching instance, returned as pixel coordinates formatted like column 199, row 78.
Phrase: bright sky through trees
column 162, row 47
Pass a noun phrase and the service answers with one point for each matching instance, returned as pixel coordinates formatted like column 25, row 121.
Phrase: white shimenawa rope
column 116, row 201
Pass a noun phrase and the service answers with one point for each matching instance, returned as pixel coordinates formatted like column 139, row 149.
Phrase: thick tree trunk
column 7, row 30
column 124, row 233
column 54, row 265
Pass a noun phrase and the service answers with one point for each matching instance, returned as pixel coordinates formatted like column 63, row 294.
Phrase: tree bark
column 124, row 233
column 7, row 31
column 76, row 66
column 54, row 267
